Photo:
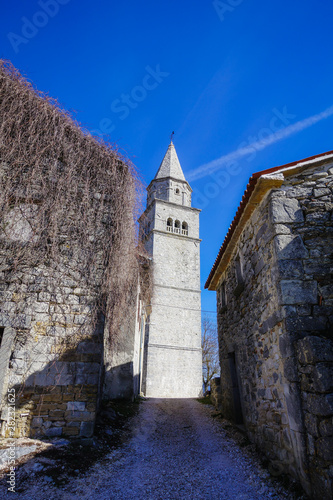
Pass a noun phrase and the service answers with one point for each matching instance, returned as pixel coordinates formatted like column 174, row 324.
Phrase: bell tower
column 169, row 229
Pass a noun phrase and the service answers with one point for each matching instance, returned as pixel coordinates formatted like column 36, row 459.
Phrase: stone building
column 273, row 280
column 170, row 233
column 69, row 274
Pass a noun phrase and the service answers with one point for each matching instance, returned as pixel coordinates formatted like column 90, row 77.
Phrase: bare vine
column 68, row 204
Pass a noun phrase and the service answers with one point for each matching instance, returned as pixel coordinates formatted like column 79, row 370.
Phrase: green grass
column 205, row 401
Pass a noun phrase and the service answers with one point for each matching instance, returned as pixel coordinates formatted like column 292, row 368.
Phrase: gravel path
column 177, row 451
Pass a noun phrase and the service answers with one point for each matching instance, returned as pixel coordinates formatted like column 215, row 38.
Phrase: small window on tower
column 184, row 229
column 169, row 225
column 177, row 226
column 177, row 191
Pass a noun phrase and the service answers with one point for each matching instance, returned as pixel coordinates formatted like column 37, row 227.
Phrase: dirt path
column 177, row 451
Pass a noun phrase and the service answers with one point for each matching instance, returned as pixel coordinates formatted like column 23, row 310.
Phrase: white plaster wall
column 174, row 362
column 174, row 373
column 176, row 318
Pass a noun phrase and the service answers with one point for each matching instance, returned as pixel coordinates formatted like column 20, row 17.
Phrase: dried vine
column 68, row 204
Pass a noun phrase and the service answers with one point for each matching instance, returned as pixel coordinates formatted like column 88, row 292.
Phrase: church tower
column 170, row 233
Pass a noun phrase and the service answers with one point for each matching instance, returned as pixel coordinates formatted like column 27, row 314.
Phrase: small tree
column 210, row 352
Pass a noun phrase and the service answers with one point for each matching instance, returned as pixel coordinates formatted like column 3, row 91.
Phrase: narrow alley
column 177, row 451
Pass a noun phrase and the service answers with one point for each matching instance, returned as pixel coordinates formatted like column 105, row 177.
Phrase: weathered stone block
column 89, row 348
column 86, row 429
column 56, row 374
column 41, row 307
column 17, row 321
column 289, row 246
column 70, row 431
column 314, row 349
column 75, row 416
column 321, row 405
column 52, row 398
column 53, row 431
column 324, row 448
column 85, row 368
column 290, row 269
column 270, row 322
column 306, row 324
column 284, row 210
column 44, row 297
column 326, row 291
column 86, row 379
column 317, row 267
column 319, row 378
column 37, row 422
column 56, row 413
column 298, row 292
column 326, row 427
column 300, row 193
column 76, row 405
column 42, row 317
column 72, row 299
column 290, row 370
column 80, row 319
column 319, row 192
column 268, row 433
column 311, row 424
column 304, row 310
column 286, row 346
column 46, row 407
column 281, row 229
column 318, row 217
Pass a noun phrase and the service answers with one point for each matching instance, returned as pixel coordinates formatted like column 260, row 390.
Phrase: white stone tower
column 170, row 233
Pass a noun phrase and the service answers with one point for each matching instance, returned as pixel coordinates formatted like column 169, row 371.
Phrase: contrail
column 212, row 166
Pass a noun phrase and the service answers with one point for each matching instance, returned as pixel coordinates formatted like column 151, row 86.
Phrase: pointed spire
column 170, row 166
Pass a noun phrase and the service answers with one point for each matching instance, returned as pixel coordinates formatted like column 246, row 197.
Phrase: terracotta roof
column 246, row 196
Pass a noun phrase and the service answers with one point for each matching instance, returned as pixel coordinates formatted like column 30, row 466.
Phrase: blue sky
column 222, row 75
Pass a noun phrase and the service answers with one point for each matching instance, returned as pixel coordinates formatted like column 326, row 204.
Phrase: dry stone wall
column 54, row 357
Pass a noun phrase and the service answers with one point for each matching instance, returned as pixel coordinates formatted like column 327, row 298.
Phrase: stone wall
column 51, row 354
column 215, row 392
column 275, row 329
column 250, row 325
column 307, row 296
column 67, row 258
